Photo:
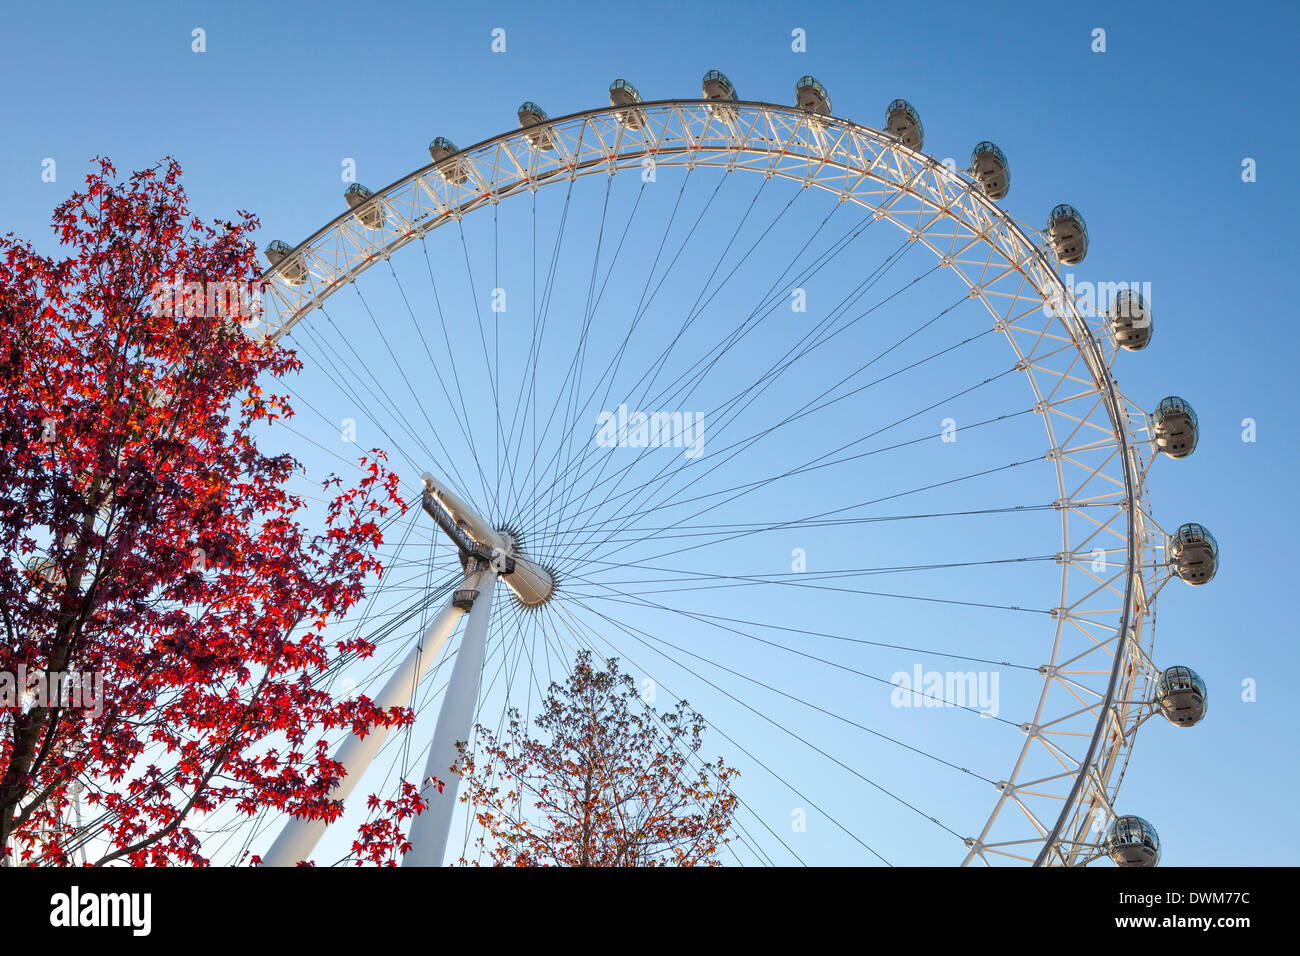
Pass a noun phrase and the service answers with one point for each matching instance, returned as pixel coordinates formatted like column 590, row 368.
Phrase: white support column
column 299, row 837
column 429, row 830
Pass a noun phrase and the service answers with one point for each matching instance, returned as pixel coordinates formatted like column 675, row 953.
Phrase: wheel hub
column 501, row 549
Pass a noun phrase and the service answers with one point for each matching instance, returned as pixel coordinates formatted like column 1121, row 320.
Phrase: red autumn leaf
column 130, row 416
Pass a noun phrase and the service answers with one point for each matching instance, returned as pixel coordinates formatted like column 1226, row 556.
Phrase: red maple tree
column 149, row 545
column 610, row 782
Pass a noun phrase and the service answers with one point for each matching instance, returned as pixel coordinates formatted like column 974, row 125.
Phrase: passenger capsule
column 1130, row 320
column 1131, row 841
column 623, row 93
column 903, row 122
column 1068, row 234
column 812, row 96
column 989, row 166
column 1175, row 427
column 1181, row 696
column 363, row 201
column 453, row 172
column 291, row 268
column 1193, row 554
column 530, row 114
column 718, row 87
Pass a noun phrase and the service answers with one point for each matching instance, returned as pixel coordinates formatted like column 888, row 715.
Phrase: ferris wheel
column 742, row 395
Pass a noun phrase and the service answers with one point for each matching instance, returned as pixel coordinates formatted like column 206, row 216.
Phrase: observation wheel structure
column 1056, row 801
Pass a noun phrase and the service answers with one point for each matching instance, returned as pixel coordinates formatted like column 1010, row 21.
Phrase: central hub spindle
column 532, row 583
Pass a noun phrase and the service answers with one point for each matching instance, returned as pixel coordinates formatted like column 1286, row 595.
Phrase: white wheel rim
column 1101, row 441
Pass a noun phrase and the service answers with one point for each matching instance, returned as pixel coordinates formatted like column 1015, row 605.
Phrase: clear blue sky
column 1147, row 139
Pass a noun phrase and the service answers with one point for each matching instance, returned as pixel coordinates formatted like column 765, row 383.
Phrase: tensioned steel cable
column 695, row 531
column 688, row 754
column 529, row 380
column 823, row 259
column 697, row 307
column 722, row 733
column 528, row 383
column 815, row 463
column 878, row 274
column 630, row 631
column 755, row 317
column 747, row 443
column 713, row 620
column 638, row 311
column 574, row 371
